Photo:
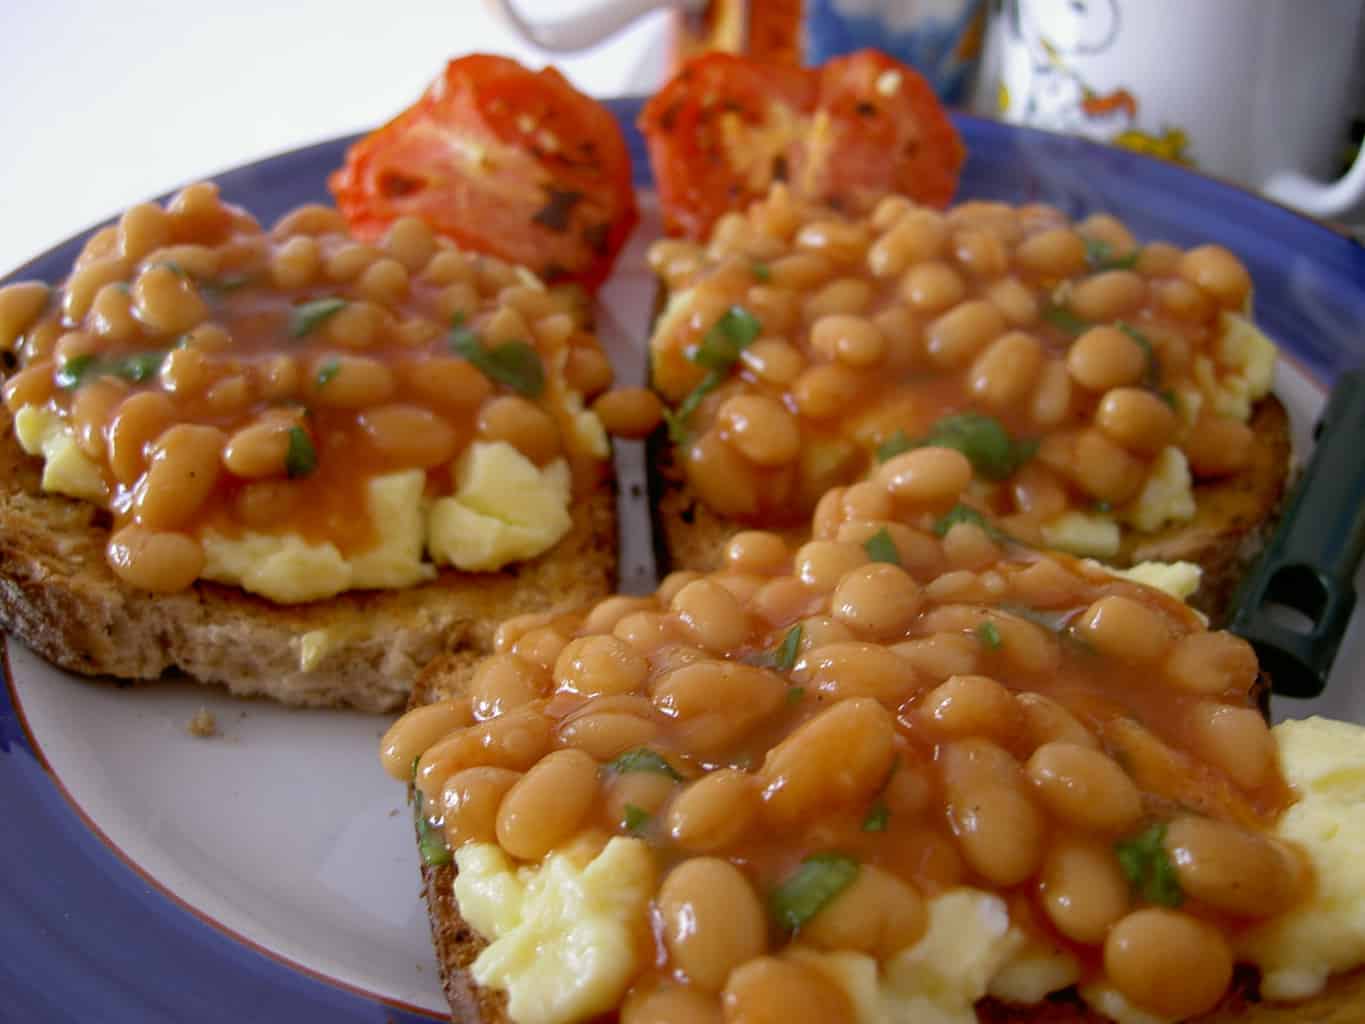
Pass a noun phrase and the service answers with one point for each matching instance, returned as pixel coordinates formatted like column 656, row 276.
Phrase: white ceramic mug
column 1257, row 91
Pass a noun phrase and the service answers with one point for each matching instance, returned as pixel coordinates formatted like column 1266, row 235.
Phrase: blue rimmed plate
column 269, row 873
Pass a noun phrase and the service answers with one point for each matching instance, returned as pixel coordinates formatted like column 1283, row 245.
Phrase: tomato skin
column 503, row 160
column 846, row 133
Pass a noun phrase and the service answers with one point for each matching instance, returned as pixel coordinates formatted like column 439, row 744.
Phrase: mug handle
column 580, row 31
column 1339, row 199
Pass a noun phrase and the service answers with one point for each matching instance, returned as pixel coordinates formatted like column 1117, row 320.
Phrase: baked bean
column 711, row 615
column 458, row 299
column 385, row 281
column 757, row 551
column 166, row 301
column 161, row 562
column 855, row 669
column 761, row 429
column 1015, row 302
column 850, row 339
column 357, row 324
column 417, row 730
column 522, row 424
column 1212, row 663
column 607, row 734
column 907, row 792
column 296, row 263
column 1052, row 394
column 1084, row 787
column 504, row 681
column 716, row 703
column 876, row 914
column 350, row 382
column 919, row 553
column 955, row 338
column 516, row 739
column 937, row 657
column 1107, row 295
column 840, row 757
column 1046, row 721
column 587, row 370
column 20, row 305
column 969, row 705
column 278, row 377
column 715, row 811
column 629, row 412
column 1235, row 740
column 773, row 360
column 968, row 546
column 672, row 583
column 932, row 287
column 980, row 252
column 609, row 611
column 258, row 450
column 820, row 630
column 91, row 410
column 1137, row 419
column 1046, row 584
column 1168, row 963
column 712, row 920
column 1120, row 627
column 1104, row 358
column 879, row 600
column 32, row 385
column 1219, row 273
column 974, row 763
column 800, row 271
column 410, row 242
column 181, row 473
column 1003, row 374
column 309, row 219
column 999, row 831
column 670, row 1005
column 408, row 435
column 957, row 585
column 1103, row 469
column 348, row 261
column 867, row 500
column 821, row 564
column 1083, row 890
column 141, row 229
column 772, row 991
column 1054, row 252
column 547, row 804
column 541, row 646
column 783, row 599
column 595, row 665
column 648, row 631
column 111, row 314
column 629, row 793
column 1037, row 491
column 1182, row 300
column 916, row 236
column 469, row 803
column 1218, row 446
column 841, row 241
column 825, row 390
column 446, row 383
column 86, row 281
column 932, row 477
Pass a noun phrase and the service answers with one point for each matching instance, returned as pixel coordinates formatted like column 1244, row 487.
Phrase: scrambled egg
column 1243, row 370
column 1179, row 579
column 1324, row 761
column 1081, row 533
column 1166, row 497
column 503, row 510
column 563, row 935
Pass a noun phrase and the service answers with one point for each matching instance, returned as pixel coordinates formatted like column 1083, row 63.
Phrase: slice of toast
column 360, row 649
column 457, row 944
column 1235, row 517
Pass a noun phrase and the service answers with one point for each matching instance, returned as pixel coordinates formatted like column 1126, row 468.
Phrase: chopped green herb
column 327, row 371
column 677, row 418
column 1053, row 622
column 785, row 656
column 728, row 337
column 513, row 364
column 1063, row 319
column 301, row 459
column 966, row 514
column 990, row 636
column 174, row 267
column 985, row 442
column 881, row 548
column 795, row 693
column 762, row 272
column 634, row 818
column 135, row 367
column 1148, row 867
column 811, row 887
column 1151, row 377
column 878, row 816
column 431, row 842
column 1099, row 254
column 307, row 317
column 1170, row 398
column 226, row 283
column 894, row 445
column 1102, row 508
column 642, row 759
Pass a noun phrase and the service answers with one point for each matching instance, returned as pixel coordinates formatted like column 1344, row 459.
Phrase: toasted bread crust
column 457, row 944
column 1235, row 517
column 58, row 595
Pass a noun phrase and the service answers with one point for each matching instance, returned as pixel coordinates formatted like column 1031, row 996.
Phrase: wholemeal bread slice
column 458, row 944
column 1234, row 518
column 360, row 649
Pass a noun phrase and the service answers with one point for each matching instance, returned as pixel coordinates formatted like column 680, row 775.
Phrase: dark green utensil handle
column 1295, row 604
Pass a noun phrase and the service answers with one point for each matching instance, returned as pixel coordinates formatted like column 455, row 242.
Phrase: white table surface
column 107, row 102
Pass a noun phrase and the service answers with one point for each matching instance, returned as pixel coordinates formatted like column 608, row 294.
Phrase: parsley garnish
column 301, row 459
column 795, row 693
column 327, row 371
column 1151, row 377
column 990, row 636
column 513, row 364
column 985, row 442
column 966, row 514
column 677, row 418
column 881, row 548
column 878, row 816
column 431, row 842
column 634, row 818
column 896, row 444
column 761, row 271
column 135, row 367
column 307, row 317
column 1063, row 319
column 811, row 887
column 785, row 656
column 719, row 349
column 1099, row 254
column 1148, row 867
column 642, row 759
